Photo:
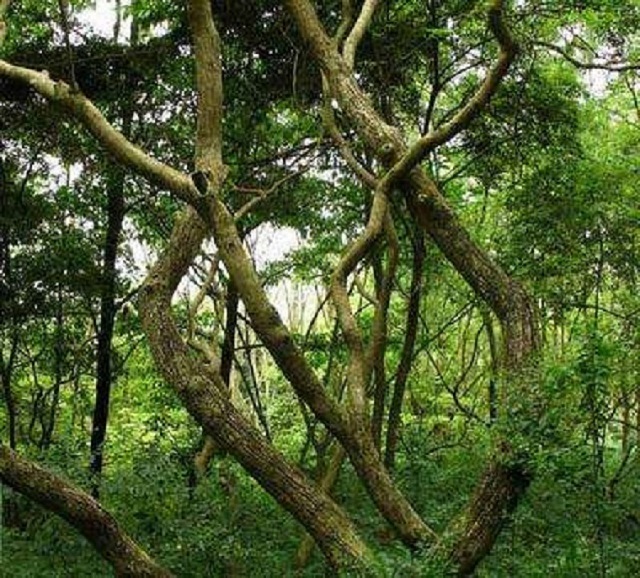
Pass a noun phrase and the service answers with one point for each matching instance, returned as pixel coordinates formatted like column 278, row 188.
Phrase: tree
column 370, row 141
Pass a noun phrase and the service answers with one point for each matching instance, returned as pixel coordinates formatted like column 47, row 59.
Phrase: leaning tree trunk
column 204, row 393
column 81, row 511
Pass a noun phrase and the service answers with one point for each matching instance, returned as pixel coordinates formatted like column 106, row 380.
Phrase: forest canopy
column 319, row 287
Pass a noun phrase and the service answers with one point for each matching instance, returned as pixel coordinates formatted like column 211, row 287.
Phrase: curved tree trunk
column 203, row 391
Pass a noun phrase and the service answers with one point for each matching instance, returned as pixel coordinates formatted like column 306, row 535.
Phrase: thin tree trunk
column 116, row 210
column 59, row 353
column 108, row 310
column 6, row 374
column 406, row 356
column 8, row 320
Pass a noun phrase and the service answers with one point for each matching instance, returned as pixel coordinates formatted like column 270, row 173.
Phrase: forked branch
column 508, row 52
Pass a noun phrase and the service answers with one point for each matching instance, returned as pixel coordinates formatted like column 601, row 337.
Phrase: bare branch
column 196, row 302
column 378, row 346
column 358, row 31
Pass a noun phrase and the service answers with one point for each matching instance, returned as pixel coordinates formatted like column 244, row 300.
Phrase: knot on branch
column 388, row 152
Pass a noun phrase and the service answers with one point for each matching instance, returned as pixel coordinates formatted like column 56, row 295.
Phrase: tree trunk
column 204, row 394
column 108, row 309
column 8, row 320
column 406, row 357
column 500, row 487
column 116, row 210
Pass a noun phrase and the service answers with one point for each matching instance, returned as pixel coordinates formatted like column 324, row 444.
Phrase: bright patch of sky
column 101, row 18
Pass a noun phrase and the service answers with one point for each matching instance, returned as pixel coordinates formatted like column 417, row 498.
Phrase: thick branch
column 204, row 394
column 508, row 51
column 111, row 139
column 358, row 375
column 82, row 512
column 345, row 22
column 486, row 515
column 379, row 330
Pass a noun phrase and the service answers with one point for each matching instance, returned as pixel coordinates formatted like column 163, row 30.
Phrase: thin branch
column 610, row 66
column 196, row 302
column 358, row 31
column 264, row 194
column 412, row 318
column 379, row 331
column 331, row 127
column 436, row 85
column 363, row 291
